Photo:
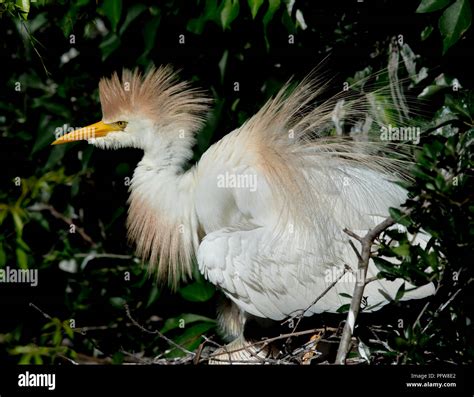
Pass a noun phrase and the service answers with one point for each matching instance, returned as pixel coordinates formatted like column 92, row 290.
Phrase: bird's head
column 140, row 110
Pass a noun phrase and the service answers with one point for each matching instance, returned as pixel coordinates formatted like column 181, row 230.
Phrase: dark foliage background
column 52, row 56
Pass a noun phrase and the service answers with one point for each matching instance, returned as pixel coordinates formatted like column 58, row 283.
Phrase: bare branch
column 53, row 211
column 263, row 343
column 366, row 243
column 46, row 315
column 156, row 332
column 300, row 315
column 355, row 250
column 352, row 234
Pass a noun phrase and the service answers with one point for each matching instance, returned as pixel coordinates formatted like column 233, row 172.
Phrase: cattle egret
column 264, row 209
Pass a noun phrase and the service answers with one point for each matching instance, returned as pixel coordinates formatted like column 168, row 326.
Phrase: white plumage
column 265, row 208
column 272, row 268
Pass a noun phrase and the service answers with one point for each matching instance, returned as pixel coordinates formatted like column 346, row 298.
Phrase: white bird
column 264, row 209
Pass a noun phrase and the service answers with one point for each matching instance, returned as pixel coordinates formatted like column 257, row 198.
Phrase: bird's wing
column 267, row 285
column 280, row 277
column 275, row 249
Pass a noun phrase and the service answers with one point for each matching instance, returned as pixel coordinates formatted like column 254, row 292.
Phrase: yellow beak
column 96, row 130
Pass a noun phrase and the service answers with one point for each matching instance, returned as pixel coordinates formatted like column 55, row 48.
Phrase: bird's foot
column 244, row 352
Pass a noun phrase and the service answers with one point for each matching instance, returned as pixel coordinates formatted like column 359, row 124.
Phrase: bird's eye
column 121, row 124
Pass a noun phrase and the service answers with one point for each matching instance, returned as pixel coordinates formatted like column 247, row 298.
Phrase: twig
column 78, row 330
column 68, row 359
column 370, row 279
column 425, row 307
column 46, row 315
column 209, row 340
column 362, row 266
column 105, row 255
column 301, row 315
column 133, row 358
column 32, row 40
column 267, row 341
column 156, row 332
column 355, row 250
column 53, row 211
column 442, row 307
column 173, row 361
column 86, row 359
column 197, row 357
column 445, row 305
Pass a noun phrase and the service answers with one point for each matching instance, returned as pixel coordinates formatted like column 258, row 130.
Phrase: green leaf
column 344, row 308
column 68, row 330
column 109, row 45
column 399, row 217
column 3, row 256
column 183, row 320
column 38, row 21
column 235, row 104
column 254, row 6
column 154, row 295
column 149, row 36
column 430, row 91
column 433, row 149
column 21, row 244
column 464, row 108
column 117, row 301
column 56, row 155
column 385, row 295
column 24, row 7
column 426, row 32
column 372, row 307
column 223, row 64
column 210, row 13
column 431, row 5
column 44, row 136
column 343, row 294
column 118, row 358
column 113, row 11
column 21, row 258
column 191, row 338
column 400, row 292
column 57, row 337
column 384, row 265
column 197, row 292
column 17, row 222
column 402, row 250
column 25, row 359
column 42, row 221
column 273, row 6
column 454, row 22
column 401, row 343
column 37, row 359
column 51, row 324
column 440, row 182
column 229, row 12
column 133, row 12
column 289, row 23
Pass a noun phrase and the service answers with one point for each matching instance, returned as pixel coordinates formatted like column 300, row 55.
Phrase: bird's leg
column 231, row 320
column 240, row 350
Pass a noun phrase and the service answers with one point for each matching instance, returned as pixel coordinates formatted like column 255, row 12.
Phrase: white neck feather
column 162, row 218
